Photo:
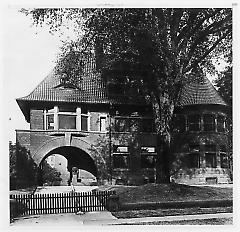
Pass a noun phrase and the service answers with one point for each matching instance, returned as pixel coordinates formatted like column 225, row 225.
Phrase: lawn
column 168, row 192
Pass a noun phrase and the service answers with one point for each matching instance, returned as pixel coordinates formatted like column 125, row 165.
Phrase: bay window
column 66, row 118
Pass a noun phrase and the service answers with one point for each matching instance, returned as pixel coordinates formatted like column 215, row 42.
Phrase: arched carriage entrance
column 79, row 155
column 77, row 159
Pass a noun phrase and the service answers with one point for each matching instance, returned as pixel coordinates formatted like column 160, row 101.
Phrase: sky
column 29, row 54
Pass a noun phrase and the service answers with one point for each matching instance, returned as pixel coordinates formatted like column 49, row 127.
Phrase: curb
column 176, row 204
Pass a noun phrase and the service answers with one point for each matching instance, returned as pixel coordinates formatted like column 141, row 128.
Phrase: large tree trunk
column 163, row 111
column 162, row 161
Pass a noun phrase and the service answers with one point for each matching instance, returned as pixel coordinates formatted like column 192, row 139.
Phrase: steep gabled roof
column 200, row 92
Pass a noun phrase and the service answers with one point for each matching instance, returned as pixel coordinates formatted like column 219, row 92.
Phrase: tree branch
column 208, row 51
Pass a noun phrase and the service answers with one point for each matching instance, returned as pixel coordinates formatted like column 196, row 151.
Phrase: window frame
column 223, row 153
column 189, row 124
column 56, row 115
column 190, row 155
column 148, row 151
column 120, row 154
column 105, row 117
column 213, row 160
column 223, row 124
column 212, row 124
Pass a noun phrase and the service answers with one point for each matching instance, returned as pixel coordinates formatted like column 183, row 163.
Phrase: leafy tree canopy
column 157, row 48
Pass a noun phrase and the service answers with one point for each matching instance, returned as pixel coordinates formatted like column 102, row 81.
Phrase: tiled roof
column 91, row 90
column 199, row 92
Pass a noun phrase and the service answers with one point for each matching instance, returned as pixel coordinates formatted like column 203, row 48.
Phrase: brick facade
column 98, row 133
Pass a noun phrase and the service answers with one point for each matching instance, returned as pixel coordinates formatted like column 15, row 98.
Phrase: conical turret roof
column 200, row 92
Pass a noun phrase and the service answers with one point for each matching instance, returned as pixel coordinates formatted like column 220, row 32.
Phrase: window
column 223, row 157
column 50, row 122
column 121, row 125
column 148, row 161
column 210, row 159
column 66, row 118
column 84, row 122
column 148, row 157
column 224, row 160
column 209, row 122
column 103, row 120
column 148, row 149
column 179, row 123
column 210, row 155
column 220, row 123
column 120, row 161
column 120, row 157
column 120, row 149
column 134, row 124
column 194, row 122
column 193, row 160
column 67, row 121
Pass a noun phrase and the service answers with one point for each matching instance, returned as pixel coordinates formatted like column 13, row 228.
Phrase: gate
column 61, row 202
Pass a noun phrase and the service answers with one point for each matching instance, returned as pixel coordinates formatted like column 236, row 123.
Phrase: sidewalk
column 158, row 219
column 101, row 218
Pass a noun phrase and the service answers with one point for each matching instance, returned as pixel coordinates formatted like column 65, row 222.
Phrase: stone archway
column 84, row 155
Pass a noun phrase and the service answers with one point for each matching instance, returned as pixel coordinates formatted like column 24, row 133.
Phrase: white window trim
column 99, row 119
column 55, row 112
